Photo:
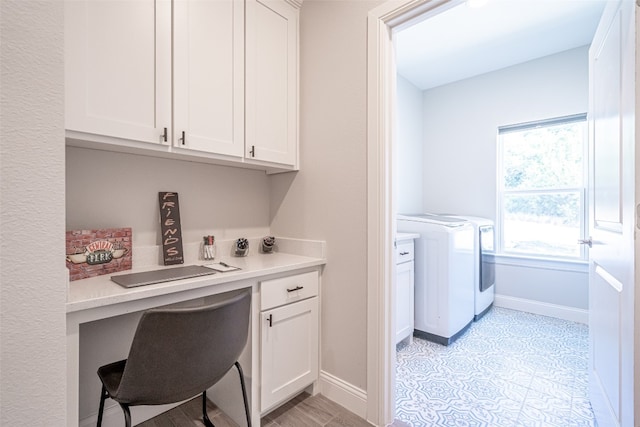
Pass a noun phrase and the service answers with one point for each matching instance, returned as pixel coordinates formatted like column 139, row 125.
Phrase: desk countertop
column 101, row 291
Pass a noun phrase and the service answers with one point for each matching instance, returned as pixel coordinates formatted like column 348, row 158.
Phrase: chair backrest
column 178, row 353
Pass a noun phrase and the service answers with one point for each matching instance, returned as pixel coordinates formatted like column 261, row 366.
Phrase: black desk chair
column 178, row 353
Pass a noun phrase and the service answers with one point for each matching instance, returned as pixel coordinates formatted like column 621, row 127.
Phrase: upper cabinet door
column 272, row 81
column 209, row 76
column 117, row 68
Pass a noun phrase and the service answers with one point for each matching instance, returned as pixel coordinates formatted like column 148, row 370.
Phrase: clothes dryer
column 484, row 264
column 444, row 275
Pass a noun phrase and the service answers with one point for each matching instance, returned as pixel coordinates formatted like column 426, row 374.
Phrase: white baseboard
column 344, row 394
column 546, row 309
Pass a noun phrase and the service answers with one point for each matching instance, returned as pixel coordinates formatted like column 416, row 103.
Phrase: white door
column 612, row 191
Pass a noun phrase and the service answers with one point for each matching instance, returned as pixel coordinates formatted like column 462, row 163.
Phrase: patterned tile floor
column 509, row 369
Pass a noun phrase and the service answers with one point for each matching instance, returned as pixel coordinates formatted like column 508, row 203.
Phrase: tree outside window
column 542, row 187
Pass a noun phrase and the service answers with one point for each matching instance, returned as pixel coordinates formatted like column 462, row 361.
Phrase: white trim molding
column 544, row 263
column 544, row 308
column 381, row 78
column 343, row 393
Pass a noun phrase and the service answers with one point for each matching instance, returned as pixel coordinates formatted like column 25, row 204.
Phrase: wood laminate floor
column 302, row 411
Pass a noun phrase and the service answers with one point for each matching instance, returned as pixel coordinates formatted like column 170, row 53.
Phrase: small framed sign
column 96, row 252
column 170, row 228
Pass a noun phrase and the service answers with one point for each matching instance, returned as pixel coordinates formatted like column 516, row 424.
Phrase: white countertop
column 101, row 291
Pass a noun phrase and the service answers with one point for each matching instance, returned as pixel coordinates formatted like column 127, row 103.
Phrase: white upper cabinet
column 117, row 68
column 208, row 80
column 272, row 81
column 208, row 76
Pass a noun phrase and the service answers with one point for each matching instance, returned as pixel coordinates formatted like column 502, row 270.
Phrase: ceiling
column 462, row 42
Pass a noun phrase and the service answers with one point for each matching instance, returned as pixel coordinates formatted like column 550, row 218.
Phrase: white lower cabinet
column 288, row 337
column 404, row 299
column 404, row 290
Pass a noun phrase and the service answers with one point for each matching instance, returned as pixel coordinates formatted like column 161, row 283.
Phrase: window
column 541, row 188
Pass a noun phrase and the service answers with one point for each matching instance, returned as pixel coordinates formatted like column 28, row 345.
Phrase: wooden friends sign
column 170, row 227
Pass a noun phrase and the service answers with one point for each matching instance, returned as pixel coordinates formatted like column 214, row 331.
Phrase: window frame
column 582, row 191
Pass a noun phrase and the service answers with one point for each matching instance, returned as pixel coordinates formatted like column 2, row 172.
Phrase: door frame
column 382, row 21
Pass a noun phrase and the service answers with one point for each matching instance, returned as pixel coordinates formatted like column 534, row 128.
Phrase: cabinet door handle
column 253, row 151
column 404, row 253
column 270, row 320
column 165, row 135
column 183, row 139
column 297, row 288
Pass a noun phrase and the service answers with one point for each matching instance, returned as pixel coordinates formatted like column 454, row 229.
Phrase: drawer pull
column 297, row 288
column 404, row 253
column 270, row 320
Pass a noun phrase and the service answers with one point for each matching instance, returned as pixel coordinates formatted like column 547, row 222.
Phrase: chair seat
column 111, row 375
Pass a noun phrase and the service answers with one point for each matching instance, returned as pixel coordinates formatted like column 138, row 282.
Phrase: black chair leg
column 103, row 397
column 127, row 414
column 244, row 394
column 205, row 417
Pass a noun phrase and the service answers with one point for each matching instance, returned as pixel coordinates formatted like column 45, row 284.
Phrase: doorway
column 383, row 21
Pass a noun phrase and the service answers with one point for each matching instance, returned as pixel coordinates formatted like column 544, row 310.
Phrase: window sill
column 578, row 266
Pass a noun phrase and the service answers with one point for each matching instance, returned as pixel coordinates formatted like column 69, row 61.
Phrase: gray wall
column 327, row 199
column 408, row 180
column 561, row 285
column 460, row 122
column 32, row 273
column 106, row 189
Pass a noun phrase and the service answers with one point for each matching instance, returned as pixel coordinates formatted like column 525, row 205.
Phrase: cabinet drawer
column 404, row 252
column 276, row 292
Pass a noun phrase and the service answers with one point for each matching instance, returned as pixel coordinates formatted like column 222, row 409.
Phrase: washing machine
column 484, row 265
column 444, row 275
